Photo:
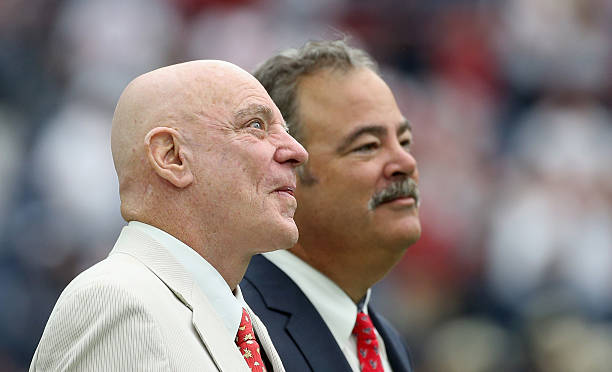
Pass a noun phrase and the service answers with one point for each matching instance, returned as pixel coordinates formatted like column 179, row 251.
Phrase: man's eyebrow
column 253, row 110
column 403, row 127
column 376, row 130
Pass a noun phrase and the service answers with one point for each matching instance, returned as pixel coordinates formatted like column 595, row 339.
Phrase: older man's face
column 247, row 164
column 359, row 187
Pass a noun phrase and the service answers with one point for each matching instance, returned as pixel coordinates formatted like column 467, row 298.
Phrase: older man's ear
column 166, row 150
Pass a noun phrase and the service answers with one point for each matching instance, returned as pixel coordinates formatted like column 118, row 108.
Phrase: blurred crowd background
column 510, row 102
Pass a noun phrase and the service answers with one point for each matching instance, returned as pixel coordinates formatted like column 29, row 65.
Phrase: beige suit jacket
column 140, row 310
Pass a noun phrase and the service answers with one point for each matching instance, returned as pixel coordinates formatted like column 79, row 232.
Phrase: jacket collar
column 208, row 324
column 305, row 325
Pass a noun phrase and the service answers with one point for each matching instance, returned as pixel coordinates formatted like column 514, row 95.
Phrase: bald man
column 206, row 179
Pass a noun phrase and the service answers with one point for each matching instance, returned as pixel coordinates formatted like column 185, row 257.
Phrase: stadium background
column 510, row 103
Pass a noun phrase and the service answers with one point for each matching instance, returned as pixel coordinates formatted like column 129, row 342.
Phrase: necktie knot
column 367, row 344
column 247, row 344
column 364, row 328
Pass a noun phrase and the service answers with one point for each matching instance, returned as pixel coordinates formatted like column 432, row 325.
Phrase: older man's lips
column 286, row 190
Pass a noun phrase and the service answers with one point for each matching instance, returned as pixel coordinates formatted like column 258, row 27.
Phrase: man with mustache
column 206, row 176
column 357, row 215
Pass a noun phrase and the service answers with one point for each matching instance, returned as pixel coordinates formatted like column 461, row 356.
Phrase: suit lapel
column 215, row 336
column 316, row 341
column 207, row 324
column 397, row 353
column 305, row 325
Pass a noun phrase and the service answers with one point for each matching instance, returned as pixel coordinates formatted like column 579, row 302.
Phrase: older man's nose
column 290, row 151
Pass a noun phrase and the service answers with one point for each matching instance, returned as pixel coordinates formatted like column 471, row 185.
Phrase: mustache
column 398, row 189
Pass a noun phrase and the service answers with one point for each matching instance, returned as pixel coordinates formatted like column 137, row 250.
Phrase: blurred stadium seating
column 510, row 104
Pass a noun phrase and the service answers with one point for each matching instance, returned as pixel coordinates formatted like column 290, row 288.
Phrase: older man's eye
column 256, row 124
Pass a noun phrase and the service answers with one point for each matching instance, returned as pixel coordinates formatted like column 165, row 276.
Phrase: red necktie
column 247, row 344
column 367, row 344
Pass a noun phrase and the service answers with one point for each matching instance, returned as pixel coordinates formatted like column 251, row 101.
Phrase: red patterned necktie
column 367, row 344
column 247, row 344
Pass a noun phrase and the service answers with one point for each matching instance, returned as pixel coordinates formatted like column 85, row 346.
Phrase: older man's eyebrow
column 375, row 130
column 285, row 126
column 253, row 110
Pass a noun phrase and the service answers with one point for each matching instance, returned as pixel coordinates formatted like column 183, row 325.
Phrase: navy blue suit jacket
column 300, row 335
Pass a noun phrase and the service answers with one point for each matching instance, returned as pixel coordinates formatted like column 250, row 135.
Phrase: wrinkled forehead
column 231, row 90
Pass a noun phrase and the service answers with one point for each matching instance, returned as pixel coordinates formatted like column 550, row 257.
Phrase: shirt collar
column 207, row 278
column 336, row 308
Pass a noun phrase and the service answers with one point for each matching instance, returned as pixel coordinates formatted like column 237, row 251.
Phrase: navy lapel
column 304, row 324
column 397, row 352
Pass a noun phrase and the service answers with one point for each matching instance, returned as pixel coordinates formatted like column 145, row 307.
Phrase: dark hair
column 281, row 73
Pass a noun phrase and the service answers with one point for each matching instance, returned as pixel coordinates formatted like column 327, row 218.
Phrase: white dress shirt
column 227, row 305
column 336, row 308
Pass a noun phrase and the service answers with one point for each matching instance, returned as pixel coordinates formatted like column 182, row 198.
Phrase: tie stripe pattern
column 247, row 343
column 367, row 344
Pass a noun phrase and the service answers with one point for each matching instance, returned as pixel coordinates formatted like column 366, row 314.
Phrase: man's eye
column 406, row 144
column 367, row 147
column 256, row 124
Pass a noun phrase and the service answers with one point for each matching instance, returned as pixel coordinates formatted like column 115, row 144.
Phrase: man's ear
column 166, row 150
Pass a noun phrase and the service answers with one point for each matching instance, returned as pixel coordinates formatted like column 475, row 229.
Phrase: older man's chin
column 284, row 236
column 292, row 234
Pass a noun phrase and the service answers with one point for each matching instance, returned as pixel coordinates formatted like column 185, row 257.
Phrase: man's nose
column 290, row 151
column 401, row 164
